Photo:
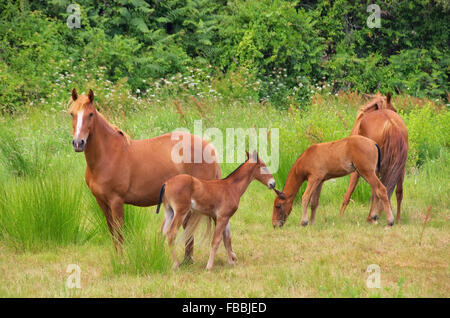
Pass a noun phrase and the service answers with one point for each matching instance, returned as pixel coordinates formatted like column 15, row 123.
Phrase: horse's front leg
column 117, row 222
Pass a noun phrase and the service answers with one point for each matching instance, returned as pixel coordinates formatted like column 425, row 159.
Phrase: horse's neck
column 294, row 181
column 240, row 180
column 100, row 143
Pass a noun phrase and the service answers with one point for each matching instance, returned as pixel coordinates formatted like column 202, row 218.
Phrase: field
column 49, row 219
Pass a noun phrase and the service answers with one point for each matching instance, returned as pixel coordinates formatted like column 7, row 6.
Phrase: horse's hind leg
column 373, row 212
column 189, row 244
column 381, row 193
column 354, row 177
column 399, row 195
column 227, row 242
column 172, row 232
column 218, row 232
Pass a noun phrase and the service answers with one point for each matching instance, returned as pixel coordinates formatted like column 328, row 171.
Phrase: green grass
column 144, row 251
column 49, row 218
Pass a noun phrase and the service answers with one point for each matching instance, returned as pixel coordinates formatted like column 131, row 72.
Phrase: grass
column 49, row 219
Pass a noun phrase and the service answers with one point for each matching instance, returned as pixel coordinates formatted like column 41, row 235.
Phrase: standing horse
column 324, row 161
column 217, row 199
column 124, row 171
column 379, row 121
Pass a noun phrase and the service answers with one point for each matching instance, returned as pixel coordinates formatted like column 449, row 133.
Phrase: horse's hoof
column 187, row 261
column 304, row 223
column 372, row 220
column 234, row 257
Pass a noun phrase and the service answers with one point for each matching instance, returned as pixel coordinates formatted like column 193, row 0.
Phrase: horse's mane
column 75, row 107
column 377, row 102
column 235, row 170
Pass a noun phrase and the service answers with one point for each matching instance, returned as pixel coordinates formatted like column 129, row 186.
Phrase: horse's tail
column 195, row 219
column 395, row 153
column 379, row 157
column 161, row 194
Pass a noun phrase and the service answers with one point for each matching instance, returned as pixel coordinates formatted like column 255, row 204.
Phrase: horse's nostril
column 82, row 142
column 73, row 143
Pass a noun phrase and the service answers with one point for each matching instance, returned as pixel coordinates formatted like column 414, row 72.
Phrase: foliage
column 288, row 48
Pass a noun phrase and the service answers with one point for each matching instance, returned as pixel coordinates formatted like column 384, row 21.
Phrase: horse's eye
column 91, row 114
column 278, row 206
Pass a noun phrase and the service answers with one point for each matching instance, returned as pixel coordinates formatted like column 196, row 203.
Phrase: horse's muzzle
column 78, row 145
column 271, row 184
column 277, row 224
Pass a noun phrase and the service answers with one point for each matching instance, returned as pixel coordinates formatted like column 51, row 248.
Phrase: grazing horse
column 124, row 171
column 379, row 121
column 324, row 161
column 217, row 199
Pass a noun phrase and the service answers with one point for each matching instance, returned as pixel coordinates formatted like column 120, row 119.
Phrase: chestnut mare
column 217, row 199
column 379, row 121
column 324, row 161
column 124, row 171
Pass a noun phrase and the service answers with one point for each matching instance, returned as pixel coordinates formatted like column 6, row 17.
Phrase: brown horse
column 124, row 171
column 217, row 199
column 379, row 121
column 324, row 161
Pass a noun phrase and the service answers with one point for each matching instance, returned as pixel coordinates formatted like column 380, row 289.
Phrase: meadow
column 49, row 219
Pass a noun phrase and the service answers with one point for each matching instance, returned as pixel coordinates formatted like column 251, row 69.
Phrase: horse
column 121, row 170
column 379, row 121
column 216, row 199
column 324, row 161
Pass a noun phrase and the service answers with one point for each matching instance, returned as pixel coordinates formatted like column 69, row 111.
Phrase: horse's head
column 281, row 209
column 262, row 173
column 83, row 112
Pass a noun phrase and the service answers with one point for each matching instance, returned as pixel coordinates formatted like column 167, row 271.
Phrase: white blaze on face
column 79, row 123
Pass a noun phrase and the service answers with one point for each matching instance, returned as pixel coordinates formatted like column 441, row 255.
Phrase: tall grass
column 39, row 213
column 144, row 250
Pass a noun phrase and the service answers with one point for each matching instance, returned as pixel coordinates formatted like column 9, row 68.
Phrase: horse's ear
column 255, row 155
column 74, row 94
column 280, row 194
column 91, row 95
column 388, row 97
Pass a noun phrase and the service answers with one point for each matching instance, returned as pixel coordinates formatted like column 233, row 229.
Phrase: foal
column 217, row 199
column 324, row 161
